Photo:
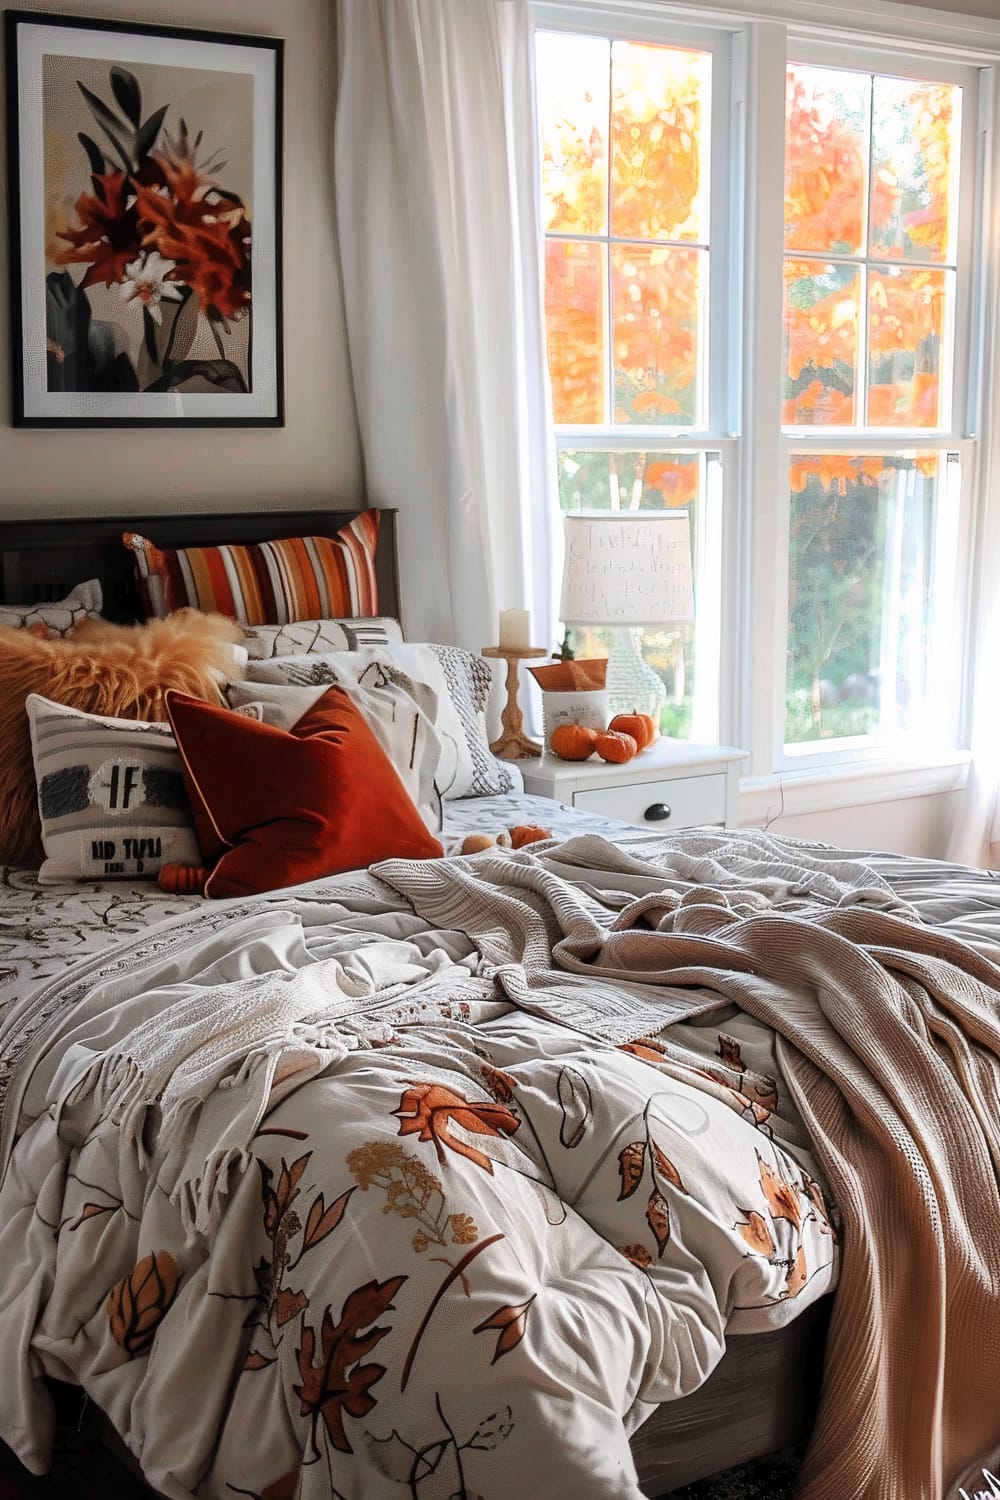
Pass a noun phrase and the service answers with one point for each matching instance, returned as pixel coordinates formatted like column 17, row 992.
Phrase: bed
column 377, row 1309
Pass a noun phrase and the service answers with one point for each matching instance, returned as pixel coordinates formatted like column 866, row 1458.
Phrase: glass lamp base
column 631, row 682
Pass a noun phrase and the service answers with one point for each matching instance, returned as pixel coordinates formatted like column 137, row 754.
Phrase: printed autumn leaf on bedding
column 632, row 1163
column 275, row 1304
column 92, row 1211
column 753, row 1096
column 658, row 1219
column 782, row 1196
column 756, row 1233
column 498, row 1083
column 756, row 1094
column 780, row 1242
column 511, row 1321
column 430, row 1110
column 648, row 1049
column 576, row 1105
column 281, row 1223
column 137, row 1304
column 288, row 1305
column 798, row 1274
column 278, row 1202
column 827, row 1220
column 340, row 1384
column 729, row 1051
column 637, row 1254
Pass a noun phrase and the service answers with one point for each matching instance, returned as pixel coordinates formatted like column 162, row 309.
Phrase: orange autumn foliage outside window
column 870, row 174
column 625, row 159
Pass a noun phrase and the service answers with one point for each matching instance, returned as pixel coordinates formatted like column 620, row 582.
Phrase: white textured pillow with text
column 110, row 795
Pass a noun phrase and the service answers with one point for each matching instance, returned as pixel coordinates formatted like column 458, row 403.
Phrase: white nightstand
column 673, row 784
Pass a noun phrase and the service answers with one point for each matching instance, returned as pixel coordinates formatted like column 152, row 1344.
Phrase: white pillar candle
column 515, row 630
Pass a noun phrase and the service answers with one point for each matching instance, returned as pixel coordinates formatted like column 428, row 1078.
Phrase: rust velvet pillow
column 273, row 807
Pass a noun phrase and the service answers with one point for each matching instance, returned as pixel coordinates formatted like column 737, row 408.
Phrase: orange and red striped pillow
column 266, row 583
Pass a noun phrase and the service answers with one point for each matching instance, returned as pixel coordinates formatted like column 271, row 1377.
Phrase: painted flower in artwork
column 159, row 227
column 145, row 279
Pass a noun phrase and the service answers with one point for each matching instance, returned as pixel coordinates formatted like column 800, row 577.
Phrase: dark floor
column 85, row 1470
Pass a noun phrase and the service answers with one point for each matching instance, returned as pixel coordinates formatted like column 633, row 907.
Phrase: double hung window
column 812, row 407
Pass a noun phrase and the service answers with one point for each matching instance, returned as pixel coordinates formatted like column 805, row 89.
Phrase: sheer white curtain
column 975, row 837
column 439, row 234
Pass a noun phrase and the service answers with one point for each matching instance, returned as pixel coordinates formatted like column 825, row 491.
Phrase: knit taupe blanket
column 889, row 1036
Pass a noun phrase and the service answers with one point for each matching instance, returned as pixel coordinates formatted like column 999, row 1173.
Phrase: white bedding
column 464, row 1250
column 44, row 927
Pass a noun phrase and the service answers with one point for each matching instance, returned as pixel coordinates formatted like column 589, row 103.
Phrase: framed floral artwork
column 145, row 176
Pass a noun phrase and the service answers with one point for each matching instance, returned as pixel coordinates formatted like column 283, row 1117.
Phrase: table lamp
column 625, row 569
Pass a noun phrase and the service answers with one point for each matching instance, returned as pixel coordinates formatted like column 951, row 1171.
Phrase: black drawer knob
column 658, row 813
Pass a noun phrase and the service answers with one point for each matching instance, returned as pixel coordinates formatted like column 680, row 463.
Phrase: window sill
column 791, row 793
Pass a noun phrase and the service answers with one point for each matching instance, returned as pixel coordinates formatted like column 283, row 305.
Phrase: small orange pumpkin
column 476, row 843
column 182, row 880
column 572, row 742
column 527, row 833
column 642, row 727
column 614, row 746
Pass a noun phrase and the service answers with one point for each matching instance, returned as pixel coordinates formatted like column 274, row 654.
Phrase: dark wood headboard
column 41, row 560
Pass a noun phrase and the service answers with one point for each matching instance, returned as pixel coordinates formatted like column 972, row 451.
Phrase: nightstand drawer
column 691, row 800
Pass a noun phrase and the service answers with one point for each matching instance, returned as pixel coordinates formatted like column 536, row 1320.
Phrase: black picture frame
column 145, row 181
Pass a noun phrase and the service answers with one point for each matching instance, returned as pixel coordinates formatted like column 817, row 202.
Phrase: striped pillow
column 267, row 583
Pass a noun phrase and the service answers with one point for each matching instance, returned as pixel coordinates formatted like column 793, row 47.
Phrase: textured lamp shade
column 627, row 568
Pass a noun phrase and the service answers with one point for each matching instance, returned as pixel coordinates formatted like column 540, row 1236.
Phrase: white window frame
column 748, row 432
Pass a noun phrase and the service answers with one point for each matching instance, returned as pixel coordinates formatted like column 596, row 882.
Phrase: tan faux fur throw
column 123, row 671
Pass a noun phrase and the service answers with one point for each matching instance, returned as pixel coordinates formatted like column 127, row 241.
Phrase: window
column 872, row 281
column 631, row 139
column 763, row 275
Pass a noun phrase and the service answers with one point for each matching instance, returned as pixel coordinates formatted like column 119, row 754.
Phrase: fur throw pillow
column 122, row 671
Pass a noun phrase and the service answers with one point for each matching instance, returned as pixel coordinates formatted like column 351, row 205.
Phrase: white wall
column 911, row 825
column 315, row 458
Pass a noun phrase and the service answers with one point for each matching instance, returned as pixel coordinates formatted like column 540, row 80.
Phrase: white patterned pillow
column 469, row 679
column 460, row 681
column 58, row 616
column 110, row 795
column 307, row 637
column 401, row 713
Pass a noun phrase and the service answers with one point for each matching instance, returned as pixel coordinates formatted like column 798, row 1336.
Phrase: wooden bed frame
column 763, row 1394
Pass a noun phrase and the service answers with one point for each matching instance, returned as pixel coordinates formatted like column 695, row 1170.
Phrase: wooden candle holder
column 513, row 743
